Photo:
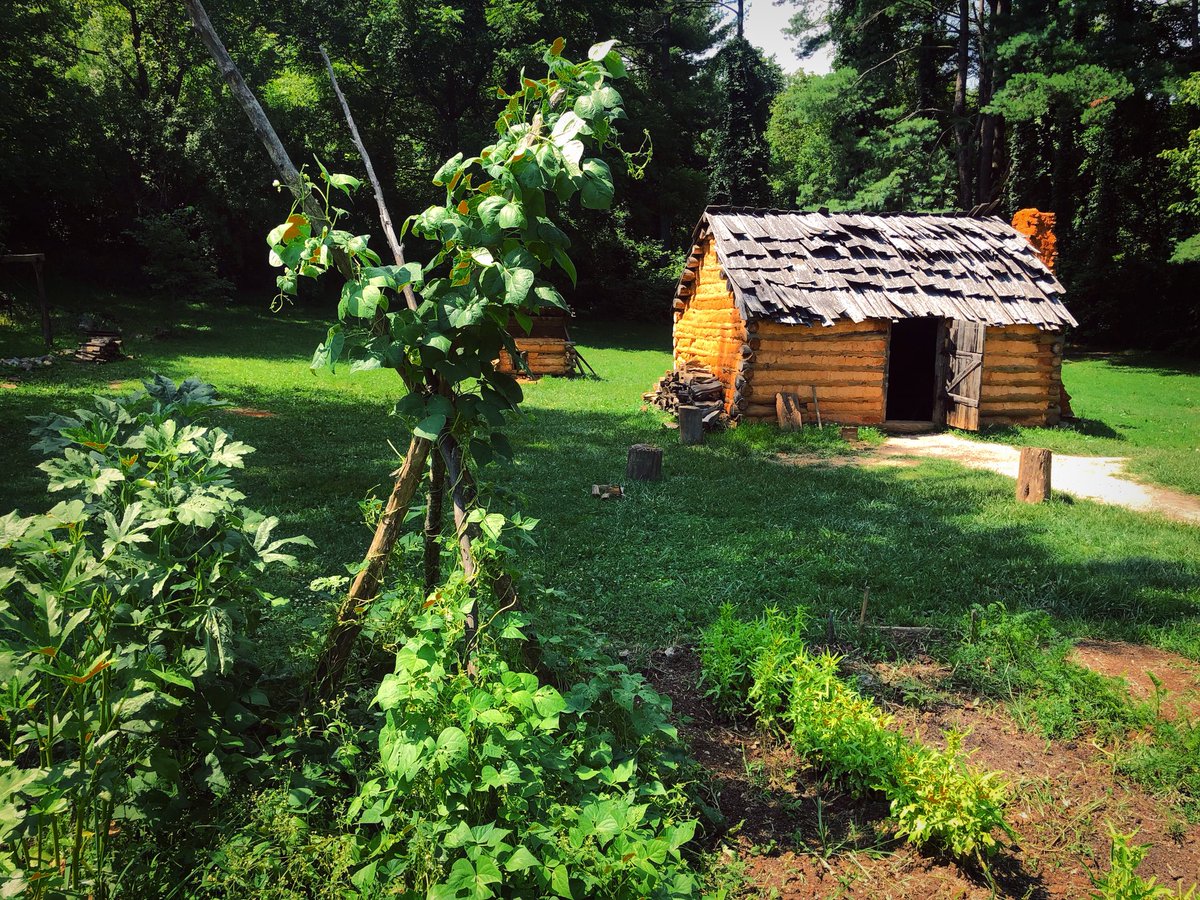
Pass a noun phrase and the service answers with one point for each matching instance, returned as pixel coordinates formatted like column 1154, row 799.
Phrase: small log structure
column 1033, row 475
column 546, row 350
column 100, row 348
column 955, row 320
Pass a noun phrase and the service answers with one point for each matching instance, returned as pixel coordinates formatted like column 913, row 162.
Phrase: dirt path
column 1100, row 478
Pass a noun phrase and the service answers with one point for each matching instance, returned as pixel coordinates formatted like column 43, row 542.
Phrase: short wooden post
column 43, row 305
column 850, row 433
column 1033, row 477
column 787, row 411
column 644, row 463
column 691, row 425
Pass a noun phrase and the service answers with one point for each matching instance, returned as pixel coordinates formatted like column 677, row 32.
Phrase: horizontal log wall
column 544, row 356
column 708, row 328
column 844, row 362
column 1022, row 376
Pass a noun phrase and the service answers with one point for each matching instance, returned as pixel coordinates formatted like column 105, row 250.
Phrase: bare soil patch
column 1178, row 676
column 790, row 832
column 251, row 413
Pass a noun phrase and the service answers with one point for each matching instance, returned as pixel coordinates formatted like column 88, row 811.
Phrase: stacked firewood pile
column 690, row 385
column 100, row 348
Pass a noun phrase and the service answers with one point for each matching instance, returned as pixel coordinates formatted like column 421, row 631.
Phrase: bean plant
column 122, row 611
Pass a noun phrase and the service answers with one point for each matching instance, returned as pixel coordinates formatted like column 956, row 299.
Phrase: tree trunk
column 962, row 127
column 987, row 122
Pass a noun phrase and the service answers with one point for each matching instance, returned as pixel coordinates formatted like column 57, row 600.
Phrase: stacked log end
column 100, row 349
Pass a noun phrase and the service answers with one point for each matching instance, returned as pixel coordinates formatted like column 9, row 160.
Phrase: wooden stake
column 644, row 463
column 862, row 613
column 787, row 411
column 1033, row 477
column 691, row 425
column 288, row 173
column 433, row 522
column 817, row 407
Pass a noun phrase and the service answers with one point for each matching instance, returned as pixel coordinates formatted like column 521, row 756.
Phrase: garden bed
column 785, row 829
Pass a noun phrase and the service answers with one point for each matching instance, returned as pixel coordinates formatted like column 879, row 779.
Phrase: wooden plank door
column 964, row 373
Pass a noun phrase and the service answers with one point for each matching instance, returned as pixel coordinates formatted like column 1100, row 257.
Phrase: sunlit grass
column 726, row 524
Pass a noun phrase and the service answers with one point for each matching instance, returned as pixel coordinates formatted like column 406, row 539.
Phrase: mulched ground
column 795, row 836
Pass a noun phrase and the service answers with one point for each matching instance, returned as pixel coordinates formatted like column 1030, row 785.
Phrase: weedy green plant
column 936, row 798
column 115, row 607
column 1121, row 881
column 1020, row 657
column 501, row 784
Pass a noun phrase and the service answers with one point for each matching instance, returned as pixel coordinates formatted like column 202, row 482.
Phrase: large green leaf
column 451, row 746
column 597, row 191
column 517, row 284
column 430, row 427
column 511, row 216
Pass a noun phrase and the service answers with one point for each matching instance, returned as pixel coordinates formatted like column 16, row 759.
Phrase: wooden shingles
column 801, row 268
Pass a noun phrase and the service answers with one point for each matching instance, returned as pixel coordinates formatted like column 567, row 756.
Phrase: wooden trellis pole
column 348, row 623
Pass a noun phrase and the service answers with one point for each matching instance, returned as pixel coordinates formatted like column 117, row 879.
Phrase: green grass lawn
column 727, row 524
column 1129, row 404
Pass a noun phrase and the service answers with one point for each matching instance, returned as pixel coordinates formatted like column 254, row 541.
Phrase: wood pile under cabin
column 690, row 385
column 917, row 318
column 546, row 350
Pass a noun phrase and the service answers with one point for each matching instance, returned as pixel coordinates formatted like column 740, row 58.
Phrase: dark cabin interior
column 912, row 369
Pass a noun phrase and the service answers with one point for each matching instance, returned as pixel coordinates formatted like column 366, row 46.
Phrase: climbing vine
column 496, row 241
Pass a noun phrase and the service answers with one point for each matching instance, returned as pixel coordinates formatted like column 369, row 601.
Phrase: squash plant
column 123, row 613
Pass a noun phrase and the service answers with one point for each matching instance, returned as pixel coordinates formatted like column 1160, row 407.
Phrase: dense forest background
column 123, row 156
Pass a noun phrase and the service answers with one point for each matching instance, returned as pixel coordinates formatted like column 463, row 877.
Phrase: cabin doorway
column 913, row 366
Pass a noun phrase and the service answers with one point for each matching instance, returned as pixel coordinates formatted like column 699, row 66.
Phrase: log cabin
column 883, row 318
column 546, row 350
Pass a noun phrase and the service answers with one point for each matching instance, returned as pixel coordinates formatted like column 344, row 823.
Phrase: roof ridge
column 825, row 211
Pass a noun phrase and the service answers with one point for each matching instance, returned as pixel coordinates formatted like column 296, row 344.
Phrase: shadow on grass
column 929, row 541
column 1148, row 362
column 723, row 526
column 1089, row 427
column 622, row 335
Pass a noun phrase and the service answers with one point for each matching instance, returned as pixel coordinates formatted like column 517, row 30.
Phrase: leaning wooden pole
column 433, row 521
column 340, row 641
column 288, row 173
column 385, row 217
column 348, row 624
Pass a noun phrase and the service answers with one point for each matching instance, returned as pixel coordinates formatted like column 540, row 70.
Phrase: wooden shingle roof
column 810, row 268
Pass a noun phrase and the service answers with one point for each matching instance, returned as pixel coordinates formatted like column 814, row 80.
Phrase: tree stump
column 645, row 463
column 691, row 425
column 1033, row 477
column 850, row 433
column 787, row 411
